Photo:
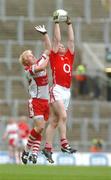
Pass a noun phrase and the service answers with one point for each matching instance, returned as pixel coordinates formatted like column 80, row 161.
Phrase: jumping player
column 61, row 62
column 36, row 74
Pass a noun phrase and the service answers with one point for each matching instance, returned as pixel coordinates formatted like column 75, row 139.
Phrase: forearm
column 47, row 42
column 46, row 39
column 46, row 54
column 57, row 33
column 70, row 31
column 42, row 66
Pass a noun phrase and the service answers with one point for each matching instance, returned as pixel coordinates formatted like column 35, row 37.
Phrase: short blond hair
column 22, row 57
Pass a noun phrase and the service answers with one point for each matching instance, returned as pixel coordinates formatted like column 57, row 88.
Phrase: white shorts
column 58, row 92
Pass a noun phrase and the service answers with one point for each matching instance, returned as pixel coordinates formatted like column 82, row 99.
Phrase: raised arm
column 56, row 37
column 42, row 66
column 70, row 33
column 47, row 42
column 46, row 38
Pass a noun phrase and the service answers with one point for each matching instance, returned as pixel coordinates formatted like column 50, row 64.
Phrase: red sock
column 34, row 141
column 48, row 147
column 36, row 144
column 64, row 143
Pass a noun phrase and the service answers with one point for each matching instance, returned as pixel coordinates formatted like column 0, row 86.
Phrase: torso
column 62, row 68
column 38, row 82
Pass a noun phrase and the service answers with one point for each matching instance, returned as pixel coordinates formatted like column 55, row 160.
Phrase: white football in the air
column 61, row 14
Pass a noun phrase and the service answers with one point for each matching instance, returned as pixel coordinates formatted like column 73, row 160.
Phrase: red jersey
column 62, row 68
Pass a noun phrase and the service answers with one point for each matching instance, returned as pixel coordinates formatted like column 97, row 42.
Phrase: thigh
column 60, row 95
column 59, row 109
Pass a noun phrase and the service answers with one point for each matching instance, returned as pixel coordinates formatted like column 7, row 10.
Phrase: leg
column 50, row 131
column 39, row 126
column 40, row 110
column 62, row 118
column 34, row 141
column 47, row 151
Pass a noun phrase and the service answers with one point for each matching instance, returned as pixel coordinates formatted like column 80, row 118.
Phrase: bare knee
column 54, row 124
column 39, row 126
column 39, row 129
column 63, row 117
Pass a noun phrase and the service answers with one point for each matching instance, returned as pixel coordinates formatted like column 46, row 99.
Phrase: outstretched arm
column 70, row 33
column 57, row 37
column 46, row 38
column 47, row 42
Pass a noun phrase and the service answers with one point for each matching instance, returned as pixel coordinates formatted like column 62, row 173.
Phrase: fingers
column 37, row 27
column 43, row 26
column 40, row 26
column 68, row 21
column 41, row 29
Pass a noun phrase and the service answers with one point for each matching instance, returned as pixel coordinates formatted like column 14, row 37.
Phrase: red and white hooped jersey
column 62, row 68
column 38, row 81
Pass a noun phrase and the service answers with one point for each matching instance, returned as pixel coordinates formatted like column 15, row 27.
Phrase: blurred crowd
column 15, row 136
column 96, row 145
column 85, row 86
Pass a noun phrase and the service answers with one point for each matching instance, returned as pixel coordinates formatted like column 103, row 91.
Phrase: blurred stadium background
column 89, row 117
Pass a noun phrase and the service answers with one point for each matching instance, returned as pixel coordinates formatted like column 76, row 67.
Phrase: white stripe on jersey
column 41, row 89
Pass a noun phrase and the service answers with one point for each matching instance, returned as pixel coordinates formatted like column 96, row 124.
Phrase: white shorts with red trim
column 58, row 92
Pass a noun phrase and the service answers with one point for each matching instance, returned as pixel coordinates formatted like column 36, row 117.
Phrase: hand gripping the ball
column 56, row 17
column 41, row 29
column 68, row 21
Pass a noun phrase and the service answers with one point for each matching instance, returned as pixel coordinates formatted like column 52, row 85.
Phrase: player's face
column 62, row 49
column 30, row 59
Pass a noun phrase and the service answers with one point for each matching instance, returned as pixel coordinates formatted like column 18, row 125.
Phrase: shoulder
column 30, row 69
column 69, row 52
column 53, row 53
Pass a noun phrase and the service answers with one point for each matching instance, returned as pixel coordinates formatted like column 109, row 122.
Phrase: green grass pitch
column 34, row 172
